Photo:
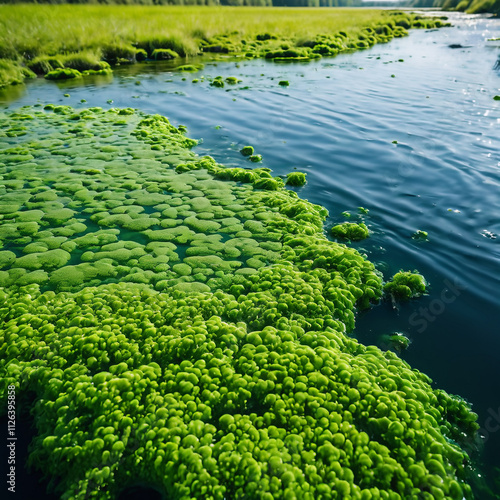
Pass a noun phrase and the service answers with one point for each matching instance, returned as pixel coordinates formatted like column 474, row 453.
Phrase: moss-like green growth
column 420, row 235
column 295, row 54
column 6, row 258
column 350, row 231
column 164, row 54
column 190, row 67
column 405, row 285
column 296, row 179
column 97, row 72
column 255, row 158
column 284, row 83
column 217, row 82
column 247, row 150
column 63, row 74
column 203, row 347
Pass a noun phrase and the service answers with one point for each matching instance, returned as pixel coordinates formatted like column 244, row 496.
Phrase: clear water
column 337, row 121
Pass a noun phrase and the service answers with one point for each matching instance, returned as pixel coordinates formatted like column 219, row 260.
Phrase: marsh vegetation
column 38, row 39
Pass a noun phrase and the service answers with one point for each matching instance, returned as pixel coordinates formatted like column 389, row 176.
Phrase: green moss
column 182, row 269
column 189, row 67
column 350, row 231
column 192, row 287
column 63, row 74
column 406, row 285
column 6, row 258
column 221, row 350
column 296, row 179
column 30, row 216
column 164, row 54
column 202, row 226
column 36, row 247
column 208, row 261
column 49, row 259
column 217, row 82
column 284, row 83
column 35, row 277
column 255, row 158
column 246, row 150
column 59, row 216
column 100, row 72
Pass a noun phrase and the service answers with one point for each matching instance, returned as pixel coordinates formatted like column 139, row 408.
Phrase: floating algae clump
column 164, row 54
column 218, row 375
column 405, row 286
column 63, row 74
column 255, row 158
column 350, row 231
column 296, row 179
column 246, row 150
column 189, row 67
column 217, row 82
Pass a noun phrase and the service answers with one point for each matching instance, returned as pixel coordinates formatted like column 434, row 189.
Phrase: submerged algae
column 238, row 378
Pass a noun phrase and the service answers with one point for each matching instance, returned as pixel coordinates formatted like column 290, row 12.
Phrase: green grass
column 125, row 34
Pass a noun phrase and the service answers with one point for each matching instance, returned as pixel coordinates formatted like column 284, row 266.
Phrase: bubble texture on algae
column 204, row 355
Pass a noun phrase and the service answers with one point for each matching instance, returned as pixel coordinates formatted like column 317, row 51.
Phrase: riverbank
column 38, row 39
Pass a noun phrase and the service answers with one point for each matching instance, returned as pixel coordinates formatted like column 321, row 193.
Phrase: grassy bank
column 36, row 39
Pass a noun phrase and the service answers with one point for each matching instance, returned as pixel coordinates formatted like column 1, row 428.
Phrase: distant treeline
column 259, row 3
column 470, row 6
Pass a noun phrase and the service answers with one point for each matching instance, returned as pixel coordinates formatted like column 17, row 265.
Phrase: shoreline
column 74, row 49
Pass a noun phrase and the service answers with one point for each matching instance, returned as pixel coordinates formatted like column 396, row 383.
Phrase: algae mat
column 185, row 325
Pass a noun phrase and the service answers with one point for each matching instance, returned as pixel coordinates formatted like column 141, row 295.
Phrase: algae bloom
column 186, row 325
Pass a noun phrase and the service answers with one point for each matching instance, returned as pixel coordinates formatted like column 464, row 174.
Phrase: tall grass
column 31, row 30
column 117, row 32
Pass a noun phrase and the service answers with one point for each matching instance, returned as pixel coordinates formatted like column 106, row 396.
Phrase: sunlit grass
column 43, row 28
column 123, row 33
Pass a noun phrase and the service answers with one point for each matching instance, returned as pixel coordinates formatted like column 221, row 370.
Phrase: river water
column 408, row 130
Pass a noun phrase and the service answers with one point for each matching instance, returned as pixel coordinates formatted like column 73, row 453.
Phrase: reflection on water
column 409, row 130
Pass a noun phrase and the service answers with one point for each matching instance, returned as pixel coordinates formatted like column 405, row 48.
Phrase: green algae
column 164, row 54
column 406, row 285
column 350, row 231
column 214, row 348
column 247, row 150
column 255, row 158
column 217, row 82
column 296, row 179
column 420, row 235
column 63, row 74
